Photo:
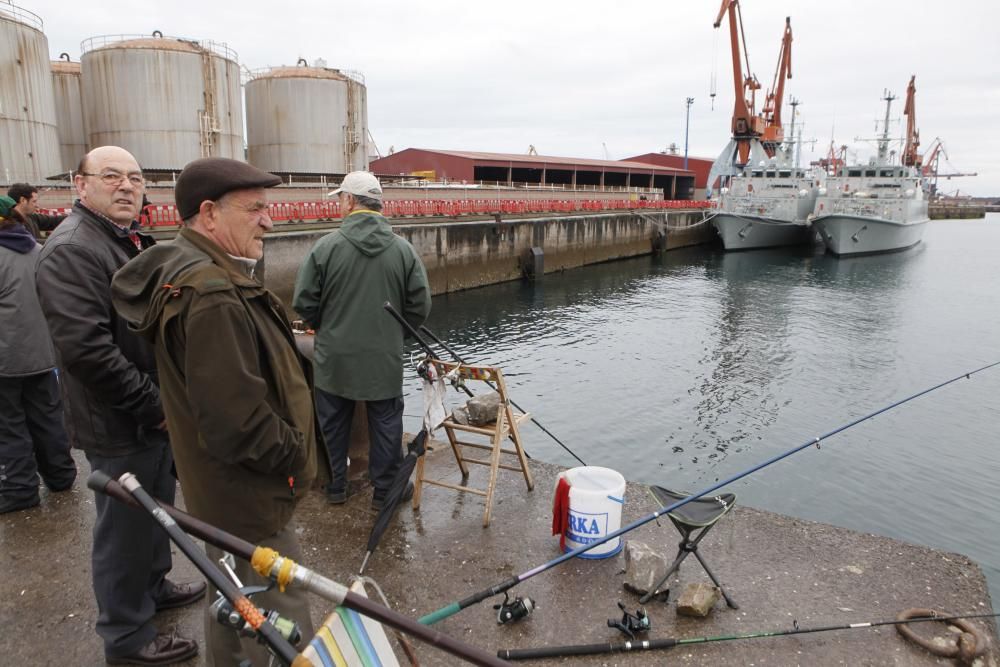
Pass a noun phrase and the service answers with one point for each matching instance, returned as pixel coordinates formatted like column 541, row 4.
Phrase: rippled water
column 697, row 365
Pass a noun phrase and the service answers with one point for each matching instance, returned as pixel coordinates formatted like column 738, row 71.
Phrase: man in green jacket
column 340, row 290
column 236, row 392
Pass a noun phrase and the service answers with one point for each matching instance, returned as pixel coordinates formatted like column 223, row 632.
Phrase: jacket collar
column 112, row 228
column 236, row 270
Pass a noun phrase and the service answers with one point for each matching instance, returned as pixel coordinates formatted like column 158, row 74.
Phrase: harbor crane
column 910, row 157
column 774, row 133
column 930, row 168
column 747, row 125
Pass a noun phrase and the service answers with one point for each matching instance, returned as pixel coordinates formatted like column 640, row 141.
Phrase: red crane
column 774, row 133
column 911, row 158
column 747, row 124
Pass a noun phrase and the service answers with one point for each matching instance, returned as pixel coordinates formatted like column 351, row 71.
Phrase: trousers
column 224, row 647
column 33, row 438
column 385, row 437
column 131, row 554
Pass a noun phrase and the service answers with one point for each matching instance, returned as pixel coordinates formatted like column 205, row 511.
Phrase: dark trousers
column 131, row 555
column 385, row 437
column 32, row 437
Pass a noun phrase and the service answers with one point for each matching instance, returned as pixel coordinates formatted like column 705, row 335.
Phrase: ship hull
column 743, row 232
column 858, row 235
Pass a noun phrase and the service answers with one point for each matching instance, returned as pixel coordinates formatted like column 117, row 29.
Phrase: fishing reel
column 224, row 613
column 631, row 624
column 510, row 611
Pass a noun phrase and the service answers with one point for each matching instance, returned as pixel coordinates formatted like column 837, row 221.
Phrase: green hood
column 367, row 231
column 142, row 288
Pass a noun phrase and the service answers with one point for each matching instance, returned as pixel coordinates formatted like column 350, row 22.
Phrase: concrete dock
column 779, row 569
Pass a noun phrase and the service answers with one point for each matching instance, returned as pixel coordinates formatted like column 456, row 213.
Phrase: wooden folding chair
column 503, row 428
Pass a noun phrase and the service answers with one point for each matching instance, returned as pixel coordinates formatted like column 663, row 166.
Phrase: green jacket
column 340, row 290
column 236, row 392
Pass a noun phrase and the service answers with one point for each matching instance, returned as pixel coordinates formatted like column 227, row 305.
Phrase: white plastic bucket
column 596, row 496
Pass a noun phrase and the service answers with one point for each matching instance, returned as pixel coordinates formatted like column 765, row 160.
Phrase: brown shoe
column 180, row 595
column 164, row 650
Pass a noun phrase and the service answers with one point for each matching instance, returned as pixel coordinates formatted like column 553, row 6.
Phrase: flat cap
column 209, row 178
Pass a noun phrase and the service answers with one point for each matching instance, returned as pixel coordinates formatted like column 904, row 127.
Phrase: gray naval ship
column 878, row 207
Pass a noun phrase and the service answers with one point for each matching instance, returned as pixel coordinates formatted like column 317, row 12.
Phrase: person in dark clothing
column 339, row 292
column 25, row 197
column 241, row 414
column 32, row 436
column 109, row 380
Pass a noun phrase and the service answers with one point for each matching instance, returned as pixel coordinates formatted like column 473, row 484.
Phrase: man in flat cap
column 341, row 287
column 114, row 414
column 236, row 392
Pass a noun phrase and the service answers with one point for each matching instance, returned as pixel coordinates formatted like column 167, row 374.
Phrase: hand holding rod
column 413, row 332
column 533, row 420
column 250, row 613
column 300, row 576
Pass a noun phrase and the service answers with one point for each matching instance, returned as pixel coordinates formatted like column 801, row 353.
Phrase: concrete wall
column 462, row 255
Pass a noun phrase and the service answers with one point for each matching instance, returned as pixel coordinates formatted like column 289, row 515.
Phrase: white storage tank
column 29, row 142
column 68, row 91
column 306, row 119
column 166, row 100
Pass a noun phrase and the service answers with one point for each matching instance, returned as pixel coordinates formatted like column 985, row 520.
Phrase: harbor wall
column 463, row 255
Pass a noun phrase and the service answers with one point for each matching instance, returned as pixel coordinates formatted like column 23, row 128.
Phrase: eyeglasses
column 113, row 178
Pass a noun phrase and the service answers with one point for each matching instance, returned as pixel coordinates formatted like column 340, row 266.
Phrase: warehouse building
column 515, row 170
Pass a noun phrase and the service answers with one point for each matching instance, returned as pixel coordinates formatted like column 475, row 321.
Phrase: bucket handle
column 620, row 501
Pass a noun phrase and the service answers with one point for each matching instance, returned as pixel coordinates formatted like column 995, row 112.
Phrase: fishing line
column 533, row 420
column 455, row 607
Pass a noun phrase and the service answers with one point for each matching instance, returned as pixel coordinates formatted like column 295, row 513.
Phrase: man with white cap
column 340, row 290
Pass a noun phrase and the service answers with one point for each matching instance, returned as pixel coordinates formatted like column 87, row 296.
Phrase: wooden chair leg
column 515, row 435
column 498, row 439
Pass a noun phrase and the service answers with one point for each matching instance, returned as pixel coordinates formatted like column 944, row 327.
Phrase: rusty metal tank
column 68, row 91
column 183, row 98
column 29, row 142
column 307, row 119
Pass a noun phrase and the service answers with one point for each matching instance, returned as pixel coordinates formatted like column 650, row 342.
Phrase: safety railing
column 326, row 211
column 101, row 41
column 21, row 15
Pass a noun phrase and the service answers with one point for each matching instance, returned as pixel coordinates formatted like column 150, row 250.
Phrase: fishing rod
column 420, row 341
column 654, row 644
column 534, row 421
column 263, row 624
column 271, row 565
column 455, row 607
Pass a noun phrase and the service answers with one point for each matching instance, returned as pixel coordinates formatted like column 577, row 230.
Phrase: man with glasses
column 108, row 376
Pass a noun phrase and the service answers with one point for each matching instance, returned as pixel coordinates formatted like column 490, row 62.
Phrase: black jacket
column 40, row 222
column 108, row 373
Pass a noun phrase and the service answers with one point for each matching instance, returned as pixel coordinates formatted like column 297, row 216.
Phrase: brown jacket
column 236, row 392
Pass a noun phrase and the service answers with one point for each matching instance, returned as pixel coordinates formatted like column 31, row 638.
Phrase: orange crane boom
column 911, row 158
column 774, row 133
column 747, row 125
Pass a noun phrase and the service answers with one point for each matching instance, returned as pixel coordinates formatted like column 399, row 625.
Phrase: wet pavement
column 780, row 570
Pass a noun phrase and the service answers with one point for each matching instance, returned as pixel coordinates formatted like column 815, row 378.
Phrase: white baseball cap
column 360, row 184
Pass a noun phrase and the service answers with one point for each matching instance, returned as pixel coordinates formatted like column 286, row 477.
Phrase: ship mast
column 883, row 141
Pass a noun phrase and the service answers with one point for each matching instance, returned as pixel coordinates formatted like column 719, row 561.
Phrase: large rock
column 644, row 567
column 697, row 600
column 483, row 409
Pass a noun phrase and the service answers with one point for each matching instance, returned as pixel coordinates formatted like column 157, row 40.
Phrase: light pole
column 687, row 122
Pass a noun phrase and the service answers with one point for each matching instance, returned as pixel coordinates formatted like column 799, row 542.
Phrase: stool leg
column 711, row 575
column 682, row 553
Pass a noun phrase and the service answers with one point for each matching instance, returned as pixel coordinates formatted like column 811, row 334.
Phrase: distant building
column 518, row 170
column 700, row 166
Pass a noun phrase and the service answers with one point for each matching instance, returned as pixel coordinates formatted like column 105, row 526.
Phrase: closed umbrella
column 392, row 497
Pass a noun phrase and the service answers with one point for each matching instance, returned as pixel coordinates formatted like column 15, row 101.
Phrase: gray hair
column 369, row 202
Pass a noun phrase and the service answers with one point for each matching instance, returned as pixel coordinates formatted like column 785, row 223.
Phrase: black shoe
column 164, row 650
column 181, row 595
column 378, row 499
column 17, row 504
column 336, row 497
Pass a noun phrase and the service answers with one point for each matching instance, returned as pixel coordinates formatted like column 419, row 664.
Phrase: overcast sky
column 595, row 79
